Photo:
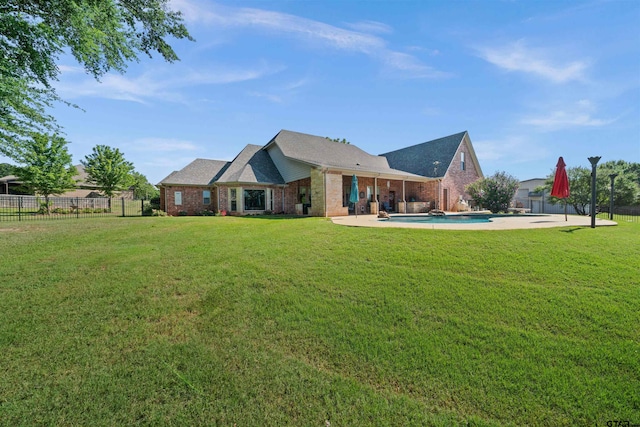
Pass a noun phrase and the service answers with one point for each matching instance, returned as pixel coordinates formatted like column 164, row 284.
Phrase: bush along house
column 297, row 173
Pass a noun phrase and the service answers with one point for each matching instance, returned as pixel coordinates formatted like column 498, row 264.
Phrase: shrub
column 495, row 192
column 147, row 210
column 87, row 210
column 182, row 213
column 155, row 202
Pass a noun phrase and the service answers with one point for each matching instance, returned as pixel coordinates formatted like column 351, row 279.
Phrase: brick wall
column 457, row 179
column 192, row 200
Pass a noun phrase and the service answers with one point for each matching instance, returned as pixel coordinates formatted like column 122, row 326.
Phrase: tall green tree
column 107, row 168
column 342, row 141
column 626, row 188
column 102, row 35
column 142, row 188
column 495, row 192
column 45, row 166
column 6, row 169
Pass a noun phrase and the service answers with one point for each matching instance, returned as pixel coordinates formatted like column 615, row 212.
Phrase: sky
column 529, row 80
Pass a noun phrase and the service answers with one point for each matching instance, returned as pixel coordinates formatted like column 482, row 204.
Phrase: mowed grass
column 273, row 322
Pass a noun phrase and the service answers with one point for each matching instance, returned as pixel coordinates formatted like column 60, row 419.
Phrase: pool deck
column 511, row 222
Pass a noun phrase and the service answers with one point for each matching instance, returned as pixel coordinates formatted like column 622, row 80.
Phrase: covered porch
column 389, row 193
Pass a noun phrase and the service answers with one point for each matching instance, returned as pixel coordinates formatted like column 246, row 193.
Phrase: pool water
column 447, row 219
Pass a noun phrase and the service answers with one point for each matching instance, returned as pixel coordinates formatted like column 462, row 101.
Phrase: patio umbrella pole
column 353, row 197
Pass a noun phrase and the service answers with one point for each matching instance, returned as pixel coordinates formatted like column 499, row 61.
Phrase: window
column 206, row 197
column 178, row 198
column 270, row 199
column 462, row 161
column 233, row 199
column 302, row 195
column 370, row 193
column 254, row 200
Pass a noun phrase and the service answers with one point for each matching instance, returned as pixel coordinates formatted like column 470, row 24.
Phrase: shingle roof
column 322, row 152
column 420, row 158
column 252, row 165
column 198, row 172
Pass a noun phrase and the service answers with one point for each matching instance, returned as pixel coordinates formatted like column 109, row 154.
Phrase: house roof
column 420, row 158
column 80, row 178
column 323, row 152
column 252, row 165
column 9, row 178
column 198, row 172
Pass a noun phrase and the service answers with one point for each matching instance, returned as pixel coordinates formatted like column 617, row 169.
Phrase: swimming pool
column 447, row 219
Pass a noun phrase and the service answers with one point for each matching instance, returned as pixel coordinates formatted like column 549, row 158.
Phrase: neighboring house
column 306, row 174
column 538, row 201
column 11, row 185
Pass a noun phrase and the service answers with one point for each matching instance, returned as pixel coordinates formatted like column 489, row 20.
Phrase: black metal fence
column 627, row 213
column 34, row 208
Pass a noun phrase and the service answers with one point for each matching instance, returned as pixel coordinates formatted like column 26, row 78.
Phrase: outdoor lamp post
column 594, row 162
column 613, row 177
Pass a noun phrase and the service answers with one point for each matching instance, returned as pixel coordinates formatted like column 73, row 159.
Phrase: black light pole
column 594, row 162
column 613, row 177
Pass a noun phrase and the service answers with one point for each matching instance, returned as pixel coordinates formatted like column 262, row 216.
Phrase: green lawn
column 273, row 322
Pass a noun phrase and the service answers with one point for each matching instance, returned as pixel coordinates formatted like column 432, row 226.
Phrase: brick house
column 297, row 173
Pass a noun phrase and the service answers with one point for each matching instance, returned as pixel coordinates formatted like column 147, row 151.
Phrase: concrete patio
column 510, row 222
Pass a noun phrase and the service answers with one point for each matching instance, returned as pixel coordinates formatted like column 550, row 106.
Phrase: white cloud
column 409, row 66
column 519, row 57
column 154, row 84
column 514, row 149
column 578, row 114
column 370, row 27
column 564, row 119
column 314, row 32
column 269, row 96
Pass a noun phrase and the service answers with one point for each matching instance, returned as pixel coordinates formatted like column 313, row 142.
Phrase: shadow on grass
column 571, row 230
column 274, row 216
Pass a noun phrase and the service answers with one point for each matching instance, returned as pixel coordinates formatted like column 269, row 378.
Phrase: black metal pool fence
column 35, row 208
column 623, row 213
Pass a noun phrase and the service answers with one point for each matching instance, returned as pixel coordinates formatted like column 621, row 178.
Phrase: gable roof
column 252, row 165
column 325, row 153
column 80, row 178
column 420, row 158
column 198, row 172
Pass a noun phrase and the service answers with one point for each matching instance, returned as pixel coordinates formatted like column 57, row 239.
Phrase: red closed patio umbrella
column 560, row 187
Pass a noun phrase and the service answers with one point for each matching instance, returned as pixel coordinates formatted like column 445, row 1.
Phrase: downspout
column 283, row 199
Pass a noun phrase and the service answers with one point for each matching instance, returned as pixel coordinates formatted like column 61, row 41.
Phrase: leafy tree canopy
column 102, row 35
column 495, row 192
column 342, row 141
column 107, row 168
column 626, row 186
column 142, row 188
column 6, row 169
column 45, row 166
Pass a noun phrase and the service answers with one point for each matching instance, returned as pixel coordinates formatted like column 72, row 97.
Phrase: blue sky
column 529, row 80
